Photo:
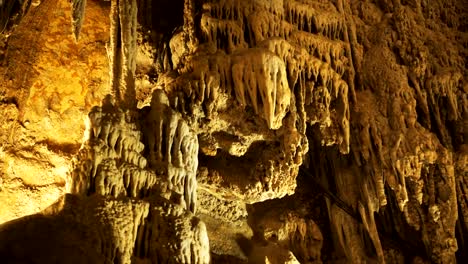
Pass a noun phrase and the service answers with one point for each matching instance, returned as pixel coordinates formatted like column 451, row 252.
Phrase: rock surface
column 234, row 131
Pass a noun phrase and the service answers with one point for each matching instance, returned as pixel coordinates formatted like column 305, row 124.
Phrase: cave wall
column 302, row 131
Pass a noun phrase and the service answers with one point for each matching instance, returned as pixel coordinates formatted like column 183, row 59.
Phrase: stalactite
column 78, row 13
column 122, row 52
column 260, row 81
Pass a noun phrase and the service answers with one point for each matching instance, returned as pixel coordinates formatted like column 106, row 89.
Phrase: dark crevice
column 247, row 33
column 9, row 100
column 462, row 239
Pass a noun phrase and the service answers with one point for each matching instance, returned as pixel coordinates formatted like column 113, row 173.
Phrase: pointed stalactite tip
column 78, row 13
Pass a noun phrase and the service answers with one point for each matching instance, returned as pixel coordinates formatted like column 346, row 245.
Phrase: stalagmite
column 172, row 147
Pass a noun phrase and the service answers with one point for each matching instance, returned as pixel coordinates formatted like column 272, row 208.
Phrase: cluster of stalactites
column 245, row 23
column 446, row 85
column 201, row 87
column 309, row 19
column 110, row 161
column 256, row 77
column 324, row 49
column 310, row 54
column 172, row 147
column 319, row 86
column 260, row 80
column 216, row 31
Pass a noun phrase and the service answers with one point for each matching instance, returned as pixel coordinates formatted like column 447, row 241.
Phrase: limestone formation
column 114, row 230
column 110, row 162
column 121, row 51
column 78, row 13
column 162, row 192
column 299, row 131
column 172, row 148
column 11, row 13
column 288, row 229
column 135, row 210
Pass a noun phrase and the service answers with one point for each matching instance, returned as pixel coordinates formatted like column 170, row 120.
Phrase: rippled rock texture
column 237, row 131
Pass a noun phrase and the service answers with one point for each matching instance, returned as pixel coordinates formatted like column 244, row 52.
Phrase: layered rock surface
column 48, row 84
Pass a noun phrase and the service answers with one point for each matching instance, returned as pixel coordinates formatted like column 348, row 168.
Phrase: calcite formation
column 11, row 13
column 78, row 12
column 247, row 86
column 290, row 230
column 110, row 161
column 299, row 131
column 42, row 111
column 112, row 230
column 161, row 192
column 121, row 52
column 137, row 209
column 172, row 148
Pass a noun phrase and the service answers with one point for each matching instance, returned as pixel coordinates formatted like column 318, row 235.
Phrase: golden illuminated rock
column 235, row 131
